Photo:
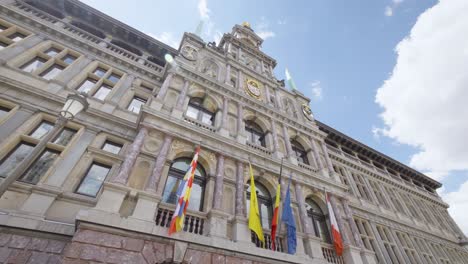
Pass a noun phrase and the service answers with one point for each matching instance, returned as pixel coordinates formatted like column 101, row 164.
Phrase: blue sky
column 340, row 54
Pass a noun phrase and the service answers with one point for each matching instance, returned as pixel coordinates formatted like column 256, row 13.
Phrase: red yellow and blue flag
column 183, row 196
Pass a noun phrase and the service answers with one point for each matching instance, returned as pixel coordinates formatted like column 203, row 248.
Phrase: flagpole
column 281, row 173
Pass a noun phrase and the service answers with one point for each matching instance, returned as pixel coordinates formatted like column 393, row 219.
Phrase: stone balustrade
column 330, row 255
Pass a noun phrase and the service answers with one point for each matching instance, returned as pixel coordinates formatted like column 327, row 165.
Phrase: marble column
column 287, row 141
column 277, row 99
column 305, row 220
column 227, row 79
column 240, row 123
column 218, row 193
column 316, row 154
column 274, row 133
column 354, row 230
column 240, row 80
column 339, row 218
column 327, row 158
column 165, row 86
column 153, row 182
column 130, row 157
column 182, row 95
column 240, row 189
column 224, row 130
column 267, row 94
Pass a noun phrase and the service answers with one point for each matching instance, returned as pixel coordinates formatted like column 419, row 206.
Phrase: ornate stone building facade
column 103, row 190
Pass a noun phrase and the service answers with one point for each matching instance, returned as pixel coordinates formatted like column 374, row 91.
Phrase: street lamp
column 74, row 105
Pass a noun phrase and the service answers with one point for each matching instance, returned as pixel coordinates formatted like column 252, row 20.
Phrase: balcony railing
column 307, row 167
column 199, row 124
column 259, row 148
column 193, row 224
column 330, row 255
column 268, row 242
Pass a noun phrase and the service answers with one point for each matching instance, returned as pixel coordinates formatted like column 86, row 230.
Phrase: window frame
column 253, row 129
column 197, row 104
column 299, row 152
column 83, row 177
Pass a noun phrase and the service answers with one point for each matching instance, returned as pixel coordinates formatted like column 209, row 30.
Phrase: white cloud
column 203, row 10
column 168, row 38
column 396, row 2
column 263, row 29
column 317, row 90
column 458, row 201
column 388, row 11
column 424, row 100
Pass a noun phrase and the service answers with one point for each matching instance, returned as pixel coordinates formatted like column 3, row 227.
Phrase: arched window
column 264, row 204
column 300, row 152
column 197, row 111
column 176, row 173
column 254, row 133
column 319, row 221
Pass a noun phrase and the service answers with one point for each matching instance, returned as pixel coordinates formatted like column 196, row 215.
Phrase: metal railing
column 193, row 224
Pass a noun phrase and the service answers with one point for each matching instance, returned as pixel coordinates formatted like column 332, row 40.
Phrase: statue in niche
column 211, row 69
column 289, row 107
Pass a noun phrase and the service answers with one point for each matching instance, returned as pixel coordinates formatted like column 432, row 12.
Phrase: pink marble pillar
column 316, row 154
column 153, row 182
column 305, row 220
column 327, row 158
column 354, row 230
column 339, row 218
column 224, row 121
column 274, row 133
column 227, row 79
column 130, row 157
column 287, row 141
column 182, row 95
column 240, row 189
column 218, row 192
column 165, row 86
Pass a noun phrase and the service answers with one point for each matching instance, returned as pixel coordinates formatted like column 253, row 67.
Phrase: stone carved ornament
column 189, row 52
column 307, row 112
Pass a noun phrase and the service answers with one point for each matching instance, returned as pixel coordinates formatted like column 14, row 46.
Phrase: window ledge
column 199, row 124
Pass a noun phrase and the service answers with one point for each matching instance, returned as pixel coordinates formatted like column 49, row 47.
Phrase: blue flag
column 288, row 218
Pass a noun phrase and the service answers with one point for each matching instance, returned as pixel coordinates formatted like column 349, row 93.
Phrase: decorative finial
column 246, row 24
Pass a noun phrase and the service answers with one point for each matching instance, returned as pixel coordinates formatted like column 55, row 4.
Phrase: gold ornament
column 252, row 87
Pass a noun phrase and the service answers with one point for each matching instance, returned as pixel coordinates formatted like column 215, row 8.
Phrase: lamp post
column 75, row 104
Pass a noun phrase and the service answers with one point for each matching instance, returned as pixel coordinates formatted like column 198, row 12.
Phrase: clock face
column 253, row 88
column 307, row 111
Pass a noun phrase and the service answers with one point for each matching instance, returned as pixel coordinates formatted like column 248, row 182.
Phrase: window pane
column 100, row 71
column 207, row 119
column 4, row 111
column 195, row 197
column 3, row 45
column 33, row 64
column 135, row 104
column 170, row 190
column 93, row 180
column 52, row 51
column 52, row 72
column 42, row 129
column 69, row 59
column 65, row 136
column 265, row 212
column 112, row 147
column 87, row 85
column 102, row 92
column 2, row 27
column 39, row 167
column 192, row 112
column 9, row 163
column 16, row 37
column 114, row 78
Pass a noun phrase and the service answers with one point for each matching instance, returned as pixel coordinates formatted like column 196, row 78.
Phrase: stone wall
column 19, row 248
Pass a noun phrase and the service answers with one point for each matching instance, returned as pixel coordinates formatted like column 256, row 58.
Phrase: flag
column 289, row 221
column 274, row 221
column 290, row 80
column 183, row 196
column 254, row 216
column 335, row 231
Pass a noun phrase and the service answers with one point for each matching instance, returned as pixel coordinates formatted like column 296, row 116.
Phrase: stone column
column 327, row 158
column 371, row 190
column 352, row 184
column 122, row 88
column 159, row 101
column 240, row 124
column 19, row 48
column 227, row 80
column 287, row 142
column 130, row 157
column 354, row 230
column 71, row 71
column 240, row 80
column 274, row 134
column 316, row 154
column 339, row 218
column 267, row 94
column 178, row 109
column 240, row 189
column 153, row 182
column 305, row 220
column 218, row 193
column 277, row 98
column 223, row 129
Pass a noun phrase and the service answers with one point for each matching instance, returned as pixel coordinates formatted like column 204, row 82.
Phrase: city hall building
column 99, row 186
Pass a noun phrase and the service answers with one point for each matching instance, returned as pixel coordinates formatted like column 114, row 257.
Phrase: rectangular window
column 52, row 72
column 92, row 182
column 33, row 64
column 40, row 167
column 113, row 78
column 192, row 112
column 136, row 104
column 15, row 157
column 87, row 85
column 367, row 237
column 102, row 92
column 112, row 147
column 52, row 51
column 65, row 136
column 361, row 185
column 15, row 37
column 408, row 248
column 68, row 59
column 2, row 28
column 100, row 72
column 4, row 111
column 380, row 197
column 42, row 129
column 3, row 45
